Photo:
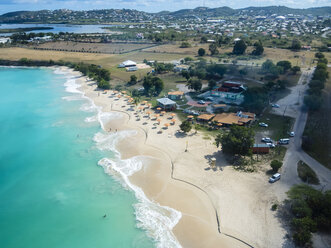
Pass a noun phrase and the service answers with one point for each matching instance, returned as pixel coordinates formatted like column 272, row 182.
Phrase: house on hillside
column 179, row 68
column 175, row 95
column 229, row 92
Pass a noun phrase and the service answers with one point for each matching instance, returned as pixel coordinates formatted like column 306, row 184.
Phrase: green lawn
column 279, row 126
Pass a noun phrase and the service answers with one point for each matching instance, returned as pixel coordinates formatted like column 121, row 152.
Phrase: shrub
column 276, row 165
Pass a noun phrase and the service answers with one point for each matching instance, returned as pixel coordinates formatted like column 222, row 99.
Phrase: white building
column 128, row 63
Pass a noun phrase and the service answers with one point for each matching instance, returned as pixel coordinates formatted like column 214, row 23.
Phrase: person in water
column 105, row 216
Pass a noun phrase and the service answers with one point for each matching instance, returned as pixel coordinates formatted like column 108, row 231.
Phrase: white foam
column 157, row 220
column 93, row 118
column 107, row 141
column 72, row 98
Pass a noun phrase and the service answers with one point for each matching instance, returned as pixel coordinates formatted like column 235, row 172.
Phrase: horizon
column 7, row 6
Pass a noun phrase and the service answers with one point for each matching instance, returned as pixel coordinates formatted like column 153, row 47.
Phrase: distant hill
column 127, row 15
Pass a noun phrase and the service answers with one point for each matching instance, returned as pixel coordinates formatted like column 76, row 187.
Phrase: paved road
column 295, row 153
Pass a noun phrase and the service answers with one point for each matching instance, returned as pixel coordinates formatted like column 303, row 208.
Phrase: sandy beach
column 220, row 208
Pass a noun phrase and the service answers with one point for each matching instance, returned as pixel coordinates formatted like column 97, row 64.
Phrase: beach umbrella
column 173, row 121
column 158, row 120
column 166, row 125
column 148, row 112
column 157, row 115
column 141, row 108
column 119, row 96
column 158, row 108
column 163, row 112
column 173, row 115
column 190, row 116
column 219, row 124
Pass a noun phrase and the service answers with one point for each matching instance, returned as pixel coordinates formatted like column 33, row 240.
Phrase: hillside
column 127, row 15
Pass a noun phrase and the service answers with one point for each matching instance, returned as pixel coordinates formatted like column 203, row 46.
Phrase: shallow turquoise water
column 52, row 193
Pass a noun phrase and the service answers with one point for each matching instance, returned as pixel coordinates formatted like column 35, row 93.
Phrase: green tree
column 133, row 80
column 239, row 47
column 319, row 55
column 201, row 52
column 255, row 99
column 152, row 85
column 211, row 83
column 276, row 165
column 313, row 102
column 238, row 141
column 185, row 74
column 216, row 70
column 213, row 49
column 296, row 44
column 185, row 44
column 186, row 126
column 295, row 69
column 258, row 48
column 285, row 64
column 203, row 39
column 194, row 84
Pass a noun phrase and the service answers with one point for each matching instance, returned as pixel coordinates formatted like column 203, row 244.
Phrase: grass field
column 175, row 48
column 108, row 61
column 279, row 126
column 318, row 129
column 109, row 48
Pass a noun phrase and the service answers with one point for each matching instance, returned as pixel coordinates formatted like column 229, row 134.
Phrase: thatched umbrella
column 163, row 112
column 123, row 92
column 173, row 115
column 190, row 116
column 148, row 112
column 166, row 125
column 158, row 120
column 173, row 121
column 144, row 102
column 158, row 108
column 141, row 108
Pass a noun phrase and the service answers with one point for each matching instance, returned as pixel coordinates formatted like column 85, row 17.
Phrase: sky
column 149, row 5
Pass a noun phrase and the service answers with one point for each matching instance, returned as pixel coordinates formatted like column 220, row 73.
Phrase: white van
column 274, row 178
column 284, row 141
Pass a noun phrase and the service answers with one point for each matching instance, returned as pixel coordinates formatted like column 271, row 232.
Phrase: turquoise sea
column 53, row 193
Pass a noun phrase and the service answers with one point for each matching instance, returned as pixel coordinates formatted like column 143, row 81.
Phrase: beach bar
column 166, row 103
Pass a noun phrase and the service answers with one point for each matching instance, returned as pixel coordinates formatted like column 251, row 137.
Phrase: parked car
column 271, row 145
column 284, row 141
column 291, row 134
column 274, row 178
column 262, row 124
column 201, row 102
column 266, row 139
column 275, row 105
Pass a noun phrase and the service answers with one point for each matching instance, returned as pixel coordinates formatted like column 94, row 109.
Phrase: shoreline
column 164, row 181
